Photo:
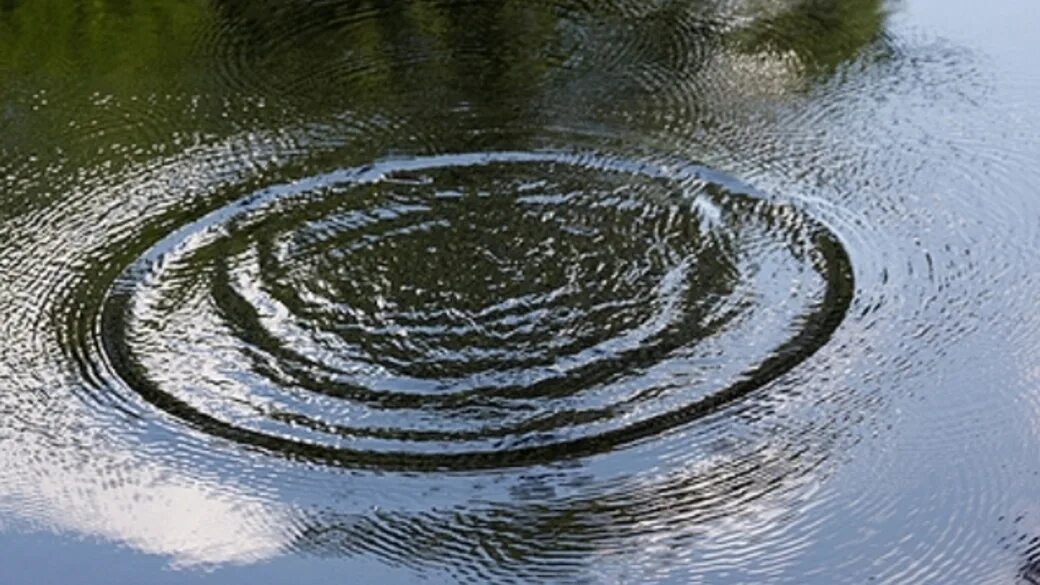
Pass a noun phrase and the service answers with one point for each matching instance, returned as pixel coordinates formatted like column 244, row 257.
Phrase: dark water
column 520, row 291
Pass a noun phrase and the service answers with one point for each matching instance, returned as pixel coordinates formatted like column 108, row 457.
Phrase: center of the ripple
column 443, row 275
column 495, row 306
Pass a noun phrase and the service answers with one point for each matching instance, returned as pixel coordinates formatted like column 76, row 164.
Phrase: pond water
column 519, row 291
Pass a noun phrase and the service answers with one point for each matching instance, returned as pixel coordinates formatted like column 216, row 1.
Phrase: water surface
column 518, row 291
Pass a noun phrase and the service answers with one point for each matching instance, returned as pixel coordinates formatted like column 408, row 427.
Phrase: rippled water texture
column 518, row 292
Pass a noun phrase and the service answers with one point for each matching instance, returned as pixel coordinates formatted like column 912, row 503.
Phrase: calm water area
column 519, row 291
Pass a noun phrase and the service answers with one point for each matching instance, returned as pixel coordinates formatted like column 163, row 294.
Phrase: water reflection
column 117, row 495
column 509, row 291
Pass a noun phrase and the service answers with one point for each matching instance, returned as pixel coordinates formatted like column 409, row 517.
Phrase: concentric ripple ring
column 473, row 311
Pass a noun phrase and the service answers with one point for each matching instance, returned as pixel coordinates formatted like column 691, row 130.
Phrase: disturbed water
column 514, row 292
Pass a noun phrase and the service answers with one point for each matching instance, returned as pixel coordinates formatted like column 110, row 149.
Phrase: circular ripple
column 475, row 310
